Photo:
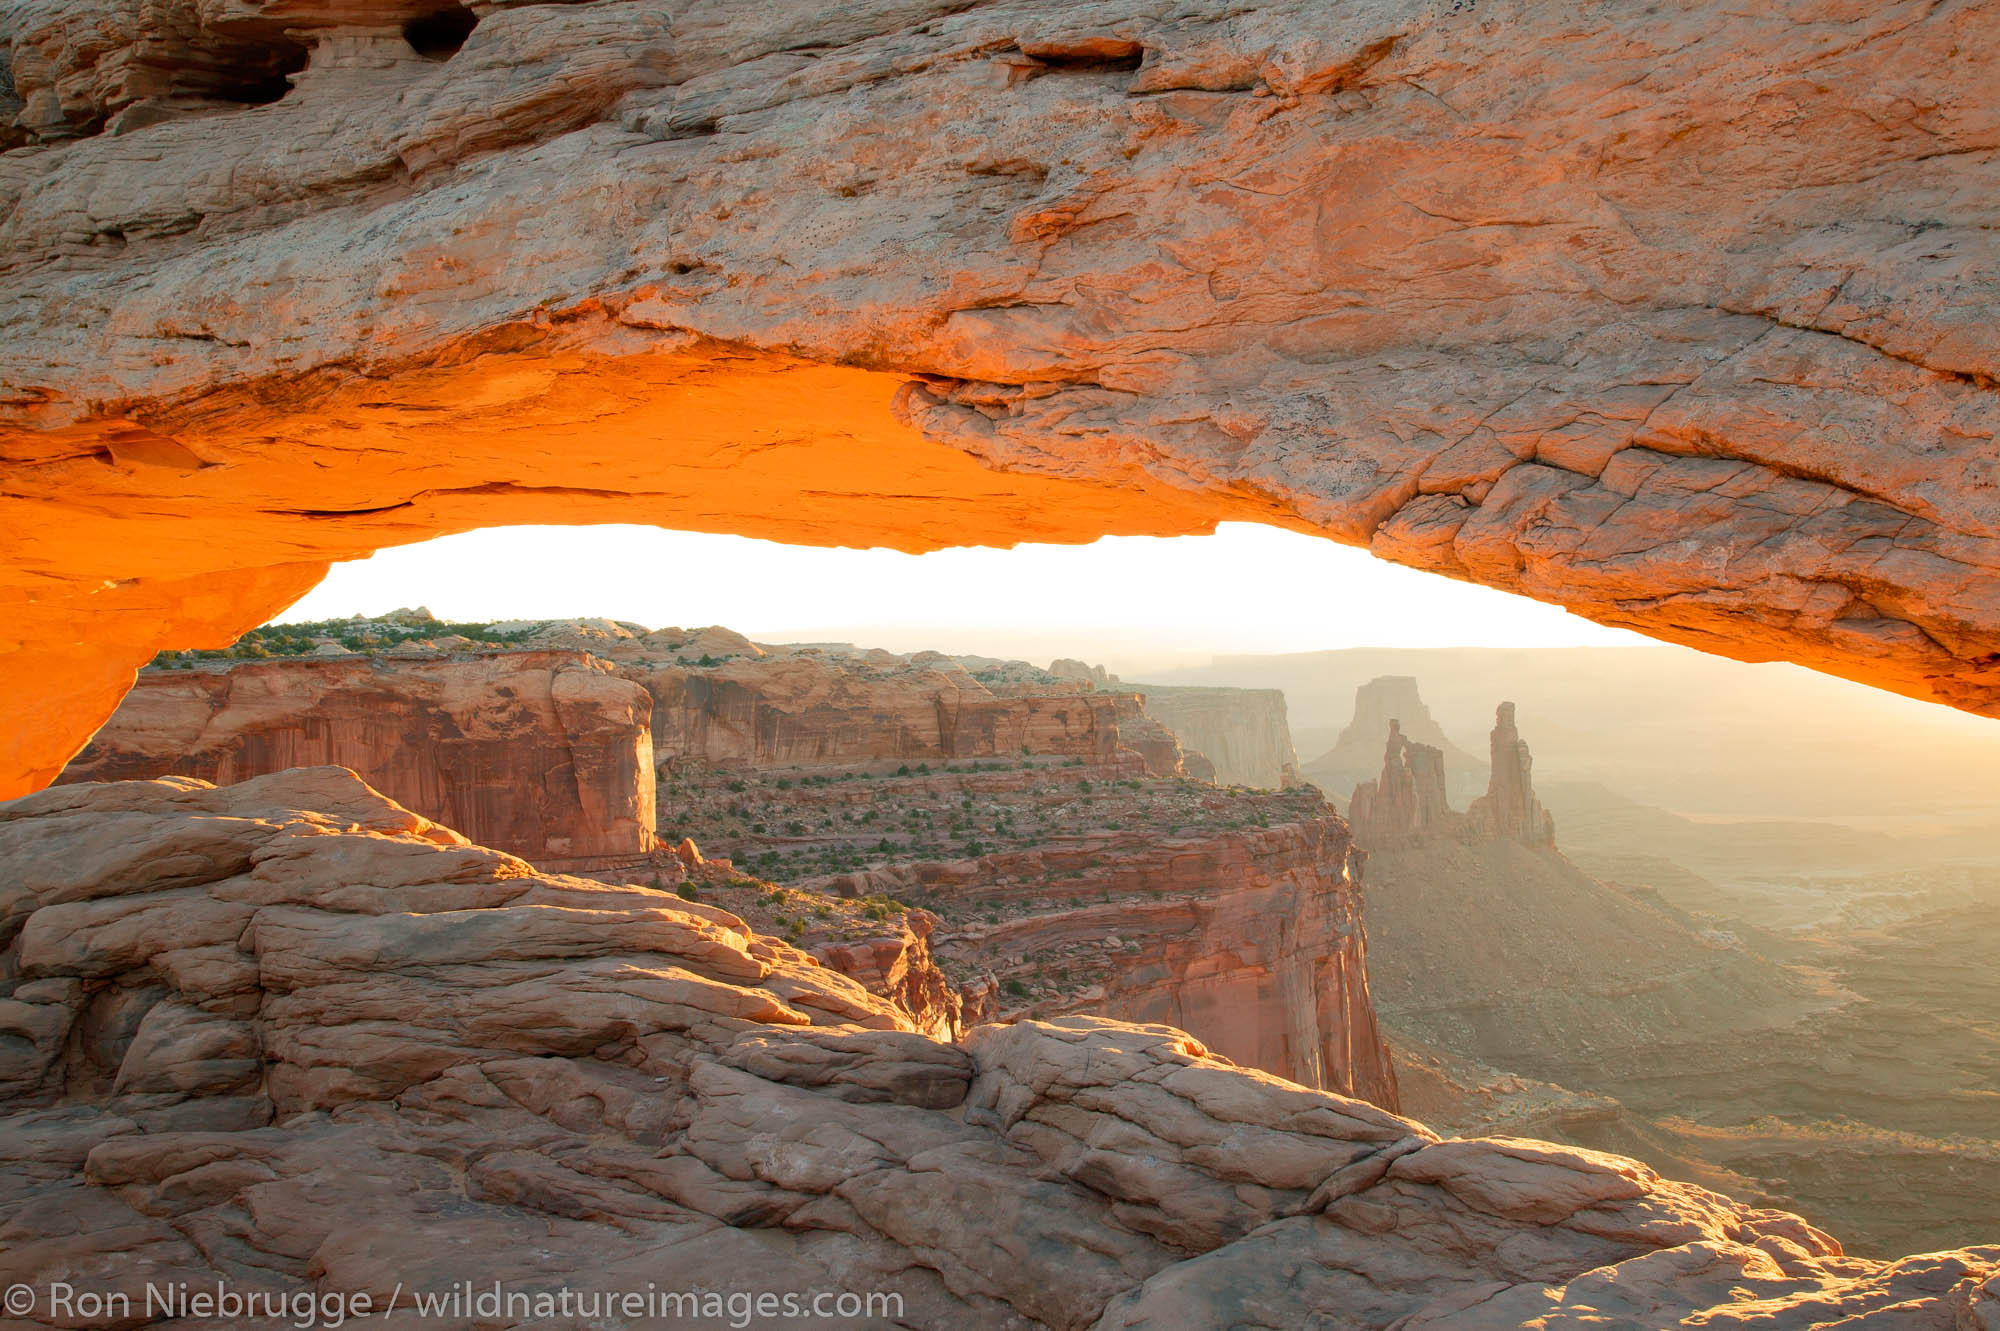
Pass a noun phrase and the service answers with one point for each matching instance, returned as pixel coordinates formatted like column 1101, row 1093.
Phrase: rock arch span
column 1679, row 316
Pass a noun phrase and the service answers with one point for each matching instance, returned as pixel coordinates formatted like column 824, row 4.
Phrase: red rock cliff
column 1249, row 937
column 804, row 709
column 622, row 1085
column 544, row 754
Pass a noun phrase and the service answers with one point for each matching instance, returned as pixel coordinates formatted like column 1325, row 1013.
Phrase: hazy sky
column 1127, row 601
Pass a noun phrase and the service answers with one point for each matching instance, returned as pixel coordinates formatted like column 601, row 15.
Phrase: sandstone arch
column 1679, row 316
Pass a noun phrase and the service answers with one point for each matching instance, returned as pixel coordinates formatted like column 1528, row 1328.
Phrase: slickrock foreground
column 1681, row 316
column 288, row 1035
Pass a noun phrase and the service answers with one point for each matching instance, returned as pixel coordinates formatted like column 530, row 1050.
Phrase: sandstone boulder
column 399, row 1077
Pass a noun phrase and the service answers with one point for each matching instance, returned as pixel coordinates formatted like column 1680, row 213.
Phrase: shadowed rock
column 414, row 1064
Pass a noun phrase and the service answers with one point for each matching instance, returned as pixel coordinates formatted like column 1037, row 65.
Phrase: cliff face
column 1627, row 347
column 546, row 755
column 1069, row 886
column 551, row 753
column 1249, row 939
column 1242, row 732
column 804, row 709
column 565, row 1085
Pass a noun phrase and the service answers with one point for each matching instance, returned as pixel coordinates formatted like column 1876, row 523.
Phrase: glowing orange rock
column 1690, row 330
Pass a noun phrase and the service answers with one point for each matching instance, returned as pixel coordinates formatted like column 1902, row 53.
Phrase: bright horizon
column 1127, row 601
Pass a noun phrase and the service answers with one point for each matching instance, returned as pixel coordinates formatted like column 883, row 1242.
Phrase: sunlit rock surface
column 1152, row 898
column 1172, row 906
column 548, row 751
column 545, row 754
column 288, row 1035
column 1681, row 316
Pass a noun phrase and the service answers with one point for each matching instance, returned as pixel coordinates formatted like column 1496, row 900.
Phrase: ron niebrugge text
column 310, row 1310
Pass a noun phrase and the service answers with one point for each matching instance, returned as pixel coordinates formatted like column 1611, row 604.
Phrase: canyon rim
column 1031, row 999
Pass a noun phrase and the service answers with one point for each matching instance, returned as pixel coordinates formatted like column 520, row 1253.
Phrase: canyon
column 845, row 970
column 1839, row 1070
column 1236, row 916
column 1688, row 331
column 1061, row 854
column 976, row 840
column 267, row 1034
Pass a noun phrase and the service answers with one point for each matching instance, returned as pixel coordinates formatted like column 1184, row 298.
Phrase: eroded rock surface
column 1408, row 803
column 1680, row 316
column 1167, row 908
column 1127, row 890
column 1509, row 808
column 1242, row 732
column 549, row 751
column 545, row 754
column 337, row 1048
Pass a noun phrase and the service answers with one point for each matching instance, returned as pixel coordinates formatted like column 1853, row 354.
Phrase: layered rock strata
column 1252, row 939
column 1688, row 330
column 336, row 1050
column 1242, row 732
column 550, row 752
column 545, row 754
column 1059, row 888
column 803, row 709
column 751, row 742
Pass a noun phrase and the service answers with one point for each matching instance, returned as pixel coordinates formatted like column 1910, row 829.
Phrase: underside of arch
column 1691, row 331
